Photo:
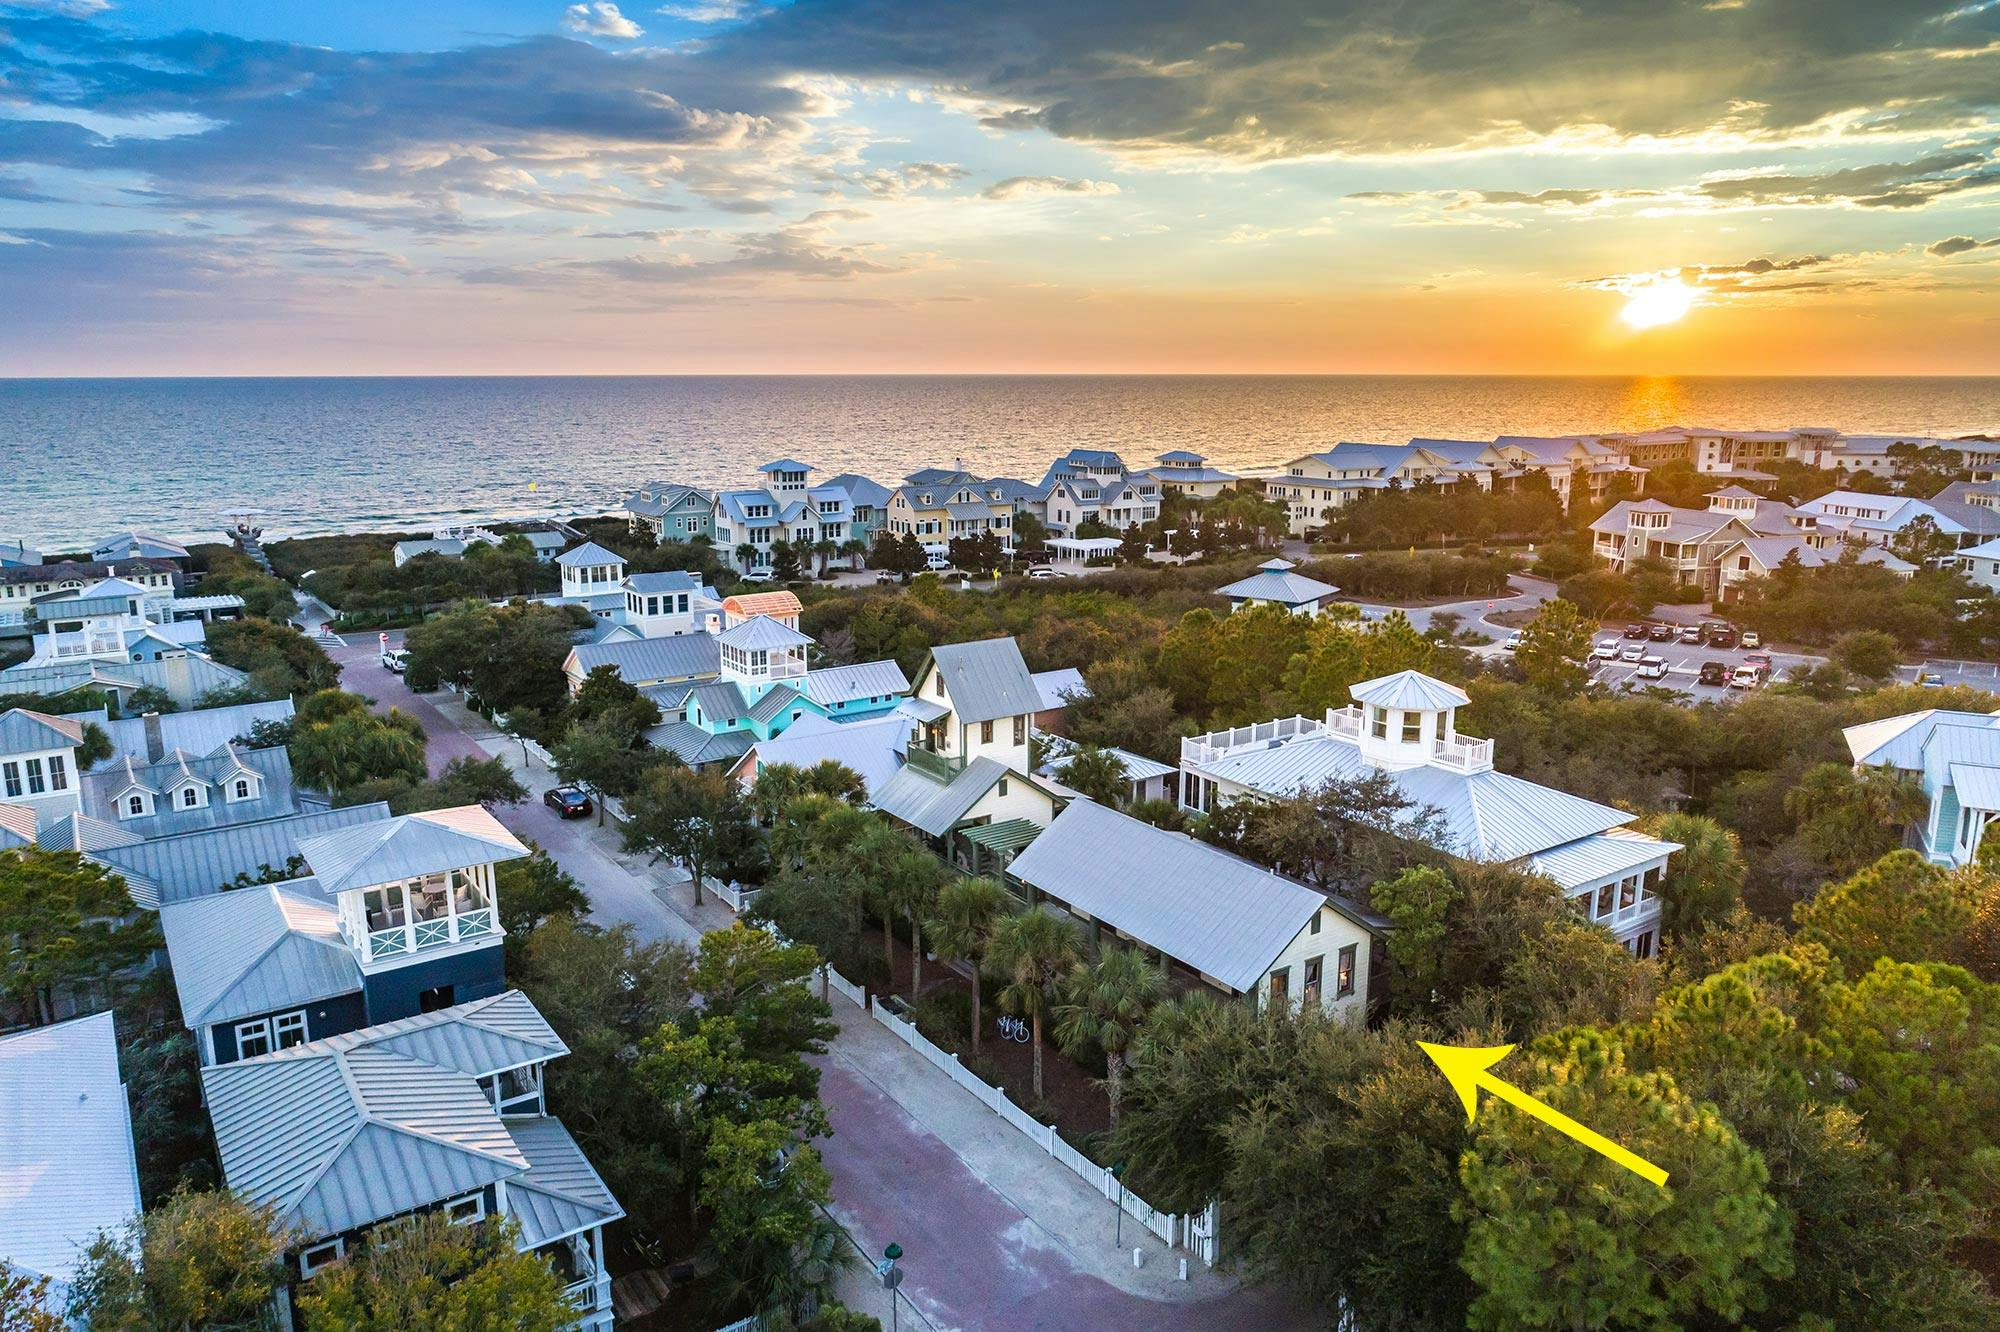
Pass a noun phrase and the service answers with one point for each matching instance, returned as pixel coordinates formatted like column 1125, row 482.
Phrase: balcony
column 943, row 767
column 1345, row 723
column 1462, row 753
column 1262, row 735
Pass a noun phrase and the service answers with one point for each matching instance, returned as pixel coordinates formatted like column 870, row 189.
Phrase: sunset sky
column 1476, row 186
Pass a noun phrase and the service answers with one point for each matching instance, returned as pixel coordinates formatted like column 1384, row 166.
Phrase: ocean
column 82, row 458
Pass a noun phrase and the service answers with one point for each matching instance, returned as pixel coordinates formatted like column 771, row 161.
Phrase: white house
column 1876, row 519
column 1405, row 725
column 1981, row 563
column 1188, row 473
column 1239, row 927
column 1315, row 486
column 38, row 769
column 1955, row 757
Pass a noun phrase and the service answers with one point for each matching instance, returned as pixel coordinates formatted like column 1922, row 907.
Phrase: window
column 1604, row 892
column 190, row 797
column 318, row 1256
column 58, row 773
column 1642, row 947
column 1021, row 729
column 289, row 1029
column 986, row 733
column 1314, row 966
column 253, row 1039
column 431, row 1000
column 12, row 773
column 1313, row 926
column 464, row 1211
column 1378, row 723
column 940, row 685
column 35, row 783
column 1628, row 892
column 1413, row 727
column 1343, row 976
column 1281, row 984
column 135, row 806
column 242, row 788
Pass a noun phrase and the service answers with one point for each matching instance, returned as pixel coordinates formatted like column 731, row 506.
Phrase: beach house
column 1313, row 487
column 1188, row 473
column 1405, row 726
column 671, row 512
column 1955, row 757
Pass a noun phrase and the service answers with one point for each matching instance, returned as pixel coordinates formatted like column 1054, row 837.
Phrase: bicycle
column 1014, row 1029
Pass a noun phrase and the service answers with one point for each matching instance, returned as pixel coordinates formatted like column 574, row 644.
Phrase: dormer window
column 135, row 806
column 190, row 797
column 240, row 789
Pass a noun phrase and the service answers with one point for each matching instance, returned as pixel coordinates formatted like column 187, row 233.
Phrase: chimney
column 156, row 745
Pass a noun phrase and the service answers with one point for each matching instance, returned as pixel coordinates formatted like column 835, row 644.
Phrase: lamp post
column 1118, row 1226
column 892, row 1277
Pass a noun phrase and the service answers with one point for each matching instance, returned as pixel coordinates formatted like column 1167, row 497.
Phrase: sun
column 1657, row 303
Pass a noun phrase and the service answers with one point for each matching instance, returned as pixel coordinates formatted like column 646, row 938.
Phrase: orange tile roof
column 773, row 604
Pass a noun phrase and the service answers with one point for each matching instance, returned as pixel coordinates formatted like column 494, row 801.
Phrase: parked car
column 1635, row 631
column 1513, row 643
column 1694, row 635
column 1722, row 635
column 1713, row 673
column 1660, row 633
column 1652, row 668
column 1633, row 653
column 1042, row 571
column 937, row 563
column 884, row 576
column 567, row 802
column 759, row 576
column 1752, row 639
column 1745, row 677
column 1607, row 650
column 1760, row 661
column 396, row 659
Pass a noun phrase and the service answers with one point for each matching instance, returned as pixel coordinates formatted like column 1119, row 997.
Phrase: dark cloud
column 1952, row 245
column 1278, row 78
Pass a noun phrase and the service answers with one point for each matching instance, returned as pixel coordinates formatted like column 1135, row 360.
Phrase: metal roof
column 174, row 869
column 67, row 1170
column 1285, row 589
column 924, row 802
column 786, row 465
column 202, row 731
column 1412, row 691
column 1899, row 741
column 334, row 1140
column 694, row 746
column 186, row 678
column 1053, row 685
column 1004, row 837
column 645, row 661
column 773, row 704
column 479, row 1038
column 665, row 580
column 587, row 555
column 986, row 679
column 1600, row 856
column 870, row 746
column 1217, row 913
column 867, row 679
column 761, row 631
column 80, row 832
column 256, row 950
column 407, row 847
column 1978, row 786
column 17, row 826
column 1138, row 767
column 272, row 796
column 23, row 730
column 720, row 701
column 561, row 1194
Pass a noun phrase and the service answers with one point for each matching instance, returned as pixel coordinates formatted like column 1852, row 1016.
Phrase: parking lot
column 1684, row 661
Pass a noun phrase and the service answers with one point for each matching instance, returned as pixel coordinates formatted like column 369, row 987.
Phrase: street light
column 892, row 1277
column 1118, row 1226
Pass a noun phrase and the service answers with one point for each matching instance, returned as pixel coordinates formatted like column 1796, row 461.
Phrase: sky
column 972, row 186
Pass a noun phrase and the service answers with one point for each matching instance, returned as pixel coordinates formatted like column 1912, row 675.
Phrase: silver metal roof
column 719, row 701
column 174, row 869
column 256, row 950
column 665, row 580
column 1899, row 741
column 272, row 796
column 186, row 678
column 773, row 703
column 333, row 1140
column 67, row 1169
column 694, row 746
column 1284, row 589
column 479, row 1038
column 867, row 679
column 587, row 555
column 23, row 730
column 201, row 731
column 1052, row 686
column 1411, row 691
column 870, row 746
column 1218, row 913
column 646, row 661
column 761, row 631
column 1600, row 856
column 17, row 826
column 924, row 802
column 408, row 846
column 561, row 1194
column 1978, row 785
column 986, row 679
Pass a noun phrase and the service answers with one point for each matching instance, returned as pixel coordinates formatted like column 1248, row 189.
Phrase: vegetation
column 199, row 1260
column 696, row 819
column 281, row 661
column 430, row 1275
column 338, row 745
column 71, row 929
column 1032, row 952
column 508, row 657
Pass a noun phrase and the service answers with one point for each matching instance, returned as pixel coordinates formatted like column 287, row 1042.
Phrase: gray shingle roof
column 256, row 950
column 646, row 661
column 987, row 679
column 408, row 846
column 174, row 869
column 1219, row 914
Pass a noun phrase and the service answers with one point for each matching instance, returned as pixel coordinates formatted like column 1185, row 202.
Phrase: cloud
column 1952, row 245
column 708, row 11
column 600, row 19
column 895, row 182
column 1910, row 184
column 1760, row 276
column 1030, row 187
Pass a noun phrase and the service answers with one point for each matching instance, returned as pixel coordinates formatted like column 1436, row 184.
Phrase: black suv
column 1713, row 673
column 1661, row 633
column 1722, row 635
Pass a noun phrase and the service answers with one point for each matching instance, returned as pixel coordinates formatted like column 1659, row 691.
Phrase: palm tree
column 910, row 887
column 869, row 858
column 824, row 550
column 1032, row 951
column 777, row 785
column 1702, row 882
column 1103, row 1005
column 961, row 924
column 854, row 548
column 1097, row 773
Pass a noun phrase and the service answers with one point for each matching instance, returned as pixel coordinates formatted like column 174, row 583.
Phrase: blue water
column 81, row 458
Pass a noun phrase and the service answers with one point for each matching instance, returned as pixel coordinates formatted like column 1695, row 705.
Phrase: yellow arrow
column 1468, row 1068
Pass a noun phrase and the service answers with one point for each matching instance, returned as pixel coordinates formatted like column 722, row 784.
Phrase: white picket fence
column 1197, row 1234
column 737, row 895
column 846, row 988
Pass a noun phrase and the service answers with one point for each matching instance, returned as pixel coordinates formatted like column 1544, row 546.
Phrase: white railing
column 1464, row 753
column 472, row 924
column 846, row 988
column 737, row 895
column 1173, row 1230
column 1218, row 744
column 1345, row 722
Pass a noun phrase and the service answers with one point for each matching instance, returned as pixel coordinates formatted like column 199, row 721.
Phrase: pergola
column 1079, row 550
column 994, row 845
